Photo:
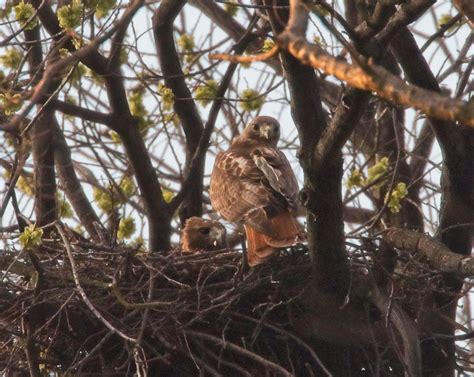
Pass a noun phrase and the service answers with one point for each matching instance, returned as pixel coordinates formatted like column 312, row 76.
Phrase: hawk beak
column 265, row 130
column 218, row 235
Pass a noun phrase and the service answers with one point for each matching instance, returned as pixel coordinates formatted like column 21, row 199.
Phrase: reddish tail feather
column 261, row 247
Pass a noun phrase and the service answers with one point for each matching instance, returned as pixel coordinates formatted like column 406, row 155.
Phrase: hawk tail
column 261, row 247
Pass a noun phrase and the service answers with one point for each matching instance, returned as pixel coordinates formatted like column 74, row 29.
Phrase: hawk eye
column 205, row 230
column 277, row 128
column 256, row 126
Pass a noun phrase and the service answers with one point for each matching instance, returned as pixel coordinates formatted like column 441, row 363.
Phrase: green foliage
column 123, row 55
column 10, row 102
column 444, row 19
column 65, row 209
column 355, row 179
column 137, row 108
column 77, row 41
column 115, row 137
column 231, row 8
column 320, row 10
column 96, row 78
column 377, row 171
column 251, row 100
column 393, row 202
column 104, row 199
column 135, row 100
column 70, row 99
column 78, row 73
column 171, row 117
column 70, row 16
column 63, row 52
column 206, row 92
column 11, row 58
column 126, row 228
column 137, row 244
column 25, row 185
column 110, row 198
column 127, row 186
column 268, row 44
column 167, row 194
column 103, row 7
column 23, row 12
column 167, row 96
column 79, row 230
column 31, row 237
column 317, row 39
column 186, row 43
column 380, row 169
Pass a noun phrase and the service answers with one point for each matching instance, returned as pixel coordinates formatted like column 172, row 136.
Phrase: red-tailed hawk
column 253, row 182
column 200, row 234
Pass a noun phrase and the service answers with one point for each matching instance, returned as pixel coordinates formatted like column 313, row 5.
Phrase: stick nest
column 168, row 314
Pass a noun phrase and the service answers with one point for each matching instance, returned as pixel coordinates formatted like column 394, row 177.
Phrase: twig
column 83, row 293
column 242, row 351
column 246, row 58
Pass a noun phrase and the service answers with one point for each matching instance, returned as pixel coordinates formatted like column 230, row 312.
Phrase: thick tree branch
column 81, row 112
column 376, row 79
column 457, row 145
column 372, row 77
column 42, row 136
column 438, row 255
column 357, row 215
column 158, row 214
column 406, row 14
column 406, row 329
column 323, row 202
column 466, row 7
column 184, row 105
column 73, row 189
column 345, row 119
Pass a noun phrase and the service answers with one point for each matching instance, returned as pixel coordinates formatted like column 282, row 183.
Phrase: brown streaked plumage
column 200, row 234
column 253, row 182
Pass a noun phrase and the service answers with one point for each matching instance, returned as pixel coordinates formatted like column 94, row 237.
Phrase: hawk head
column 200, row 234
column 264, row 129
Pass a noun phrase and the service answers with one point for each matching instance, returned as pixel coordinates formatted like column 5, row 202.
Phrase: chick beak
column 265, row 130
column 218, row 237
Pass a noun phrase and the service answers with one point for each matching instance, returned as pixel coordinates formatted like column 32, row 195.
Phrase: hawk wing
column 279, row 178
column 253, row 183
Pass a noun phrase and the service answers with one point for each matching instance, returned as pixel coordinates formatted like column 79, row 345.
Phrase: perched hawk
column 253, row 182
column 200, row 234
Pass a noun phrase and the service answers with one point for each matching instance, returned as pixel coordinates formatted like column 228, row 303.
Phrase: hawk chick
column 200, row 234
